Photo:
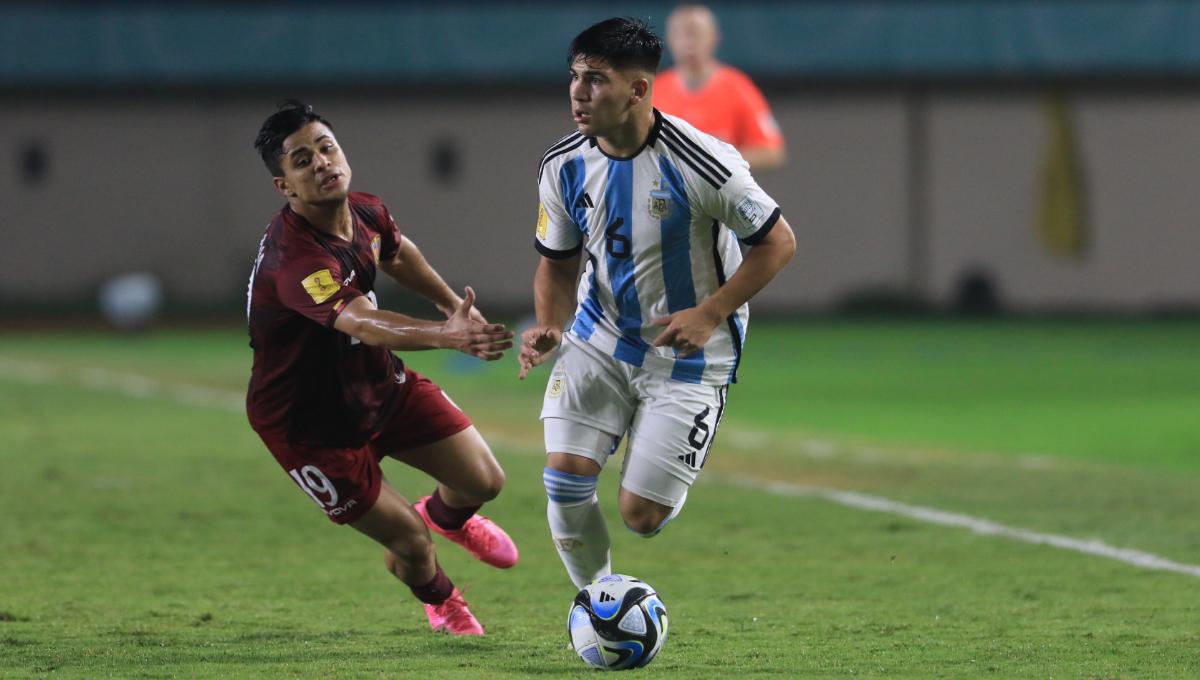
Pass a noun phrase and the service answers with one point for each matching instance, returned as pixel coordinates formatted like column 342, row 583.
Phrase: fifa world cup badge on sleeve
column 320, row 285
column 543, row 221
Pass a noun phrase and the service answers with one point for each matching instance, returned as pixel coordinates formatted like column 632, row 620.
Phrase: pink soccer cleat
column 453, row 617
column 481, row 537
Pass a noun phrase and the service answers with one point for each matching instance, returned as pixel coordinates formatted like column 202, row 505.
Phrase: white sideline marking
column 128, row 384
column 980, row 526
column 142, row 387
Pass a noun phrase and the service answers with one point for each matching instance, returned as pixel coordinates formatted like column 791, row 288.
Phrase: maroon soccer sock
column 445, row 516
column 436, row 591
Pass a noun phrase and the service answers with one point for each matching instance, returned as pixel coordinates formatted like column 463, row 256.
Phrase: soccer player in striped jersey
column 657, row 207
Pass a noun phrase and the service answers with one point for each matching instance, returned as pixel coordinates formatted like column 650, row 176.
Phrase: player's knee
column 492, row 485
column 645, row 524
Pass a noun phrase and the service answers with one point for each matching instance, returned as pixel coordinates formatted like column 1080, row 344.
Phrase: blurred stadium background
column 993, row 311
column 942, row 153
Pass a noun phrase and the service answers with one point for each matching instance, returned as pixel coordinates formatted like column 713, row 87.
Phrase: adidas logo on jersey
column 584, row 201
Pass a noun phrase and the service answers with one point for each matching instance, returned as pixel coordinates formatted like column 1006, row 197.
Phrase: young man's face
column 601, row 97
column 315, row 170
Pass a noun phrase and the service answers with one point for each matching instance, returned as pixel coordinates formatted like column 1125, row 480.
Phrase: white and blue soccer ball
column 617, row 622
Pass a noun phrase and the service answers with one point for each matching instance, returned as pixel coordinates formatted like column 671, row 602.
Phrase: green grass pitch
column 146, row 532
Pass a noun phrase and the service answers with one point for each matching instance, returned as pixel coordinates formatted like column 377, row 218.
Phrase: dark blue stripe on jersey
column 735, row 325
column 589, row 312
column 570, row 179
column 618, row 200
column 677, row 261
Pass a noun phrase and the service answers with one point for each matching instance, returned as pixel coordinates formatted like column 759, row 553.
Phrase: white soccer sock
column 576, row 525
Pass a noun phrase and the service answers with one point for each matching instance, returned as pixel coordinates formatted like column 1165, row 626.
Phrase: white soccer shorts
column 593, row 400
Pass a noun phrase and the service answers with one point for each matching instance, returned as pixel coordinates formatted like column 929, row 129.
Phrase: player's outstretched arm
column 553, row 301
column 378, row 327
column 410, row 269
column 688, row 330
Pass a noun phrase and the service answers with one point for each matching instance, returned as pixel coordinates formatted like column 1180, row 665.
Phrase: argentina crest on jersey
column 660, row 201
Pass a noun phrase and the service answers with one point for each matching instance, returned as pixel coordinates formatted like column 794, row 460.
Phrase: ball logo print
column 617, row 622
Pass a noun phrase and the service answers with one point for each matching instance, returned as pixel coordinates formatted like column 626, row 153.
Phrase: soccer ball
column 617, row 622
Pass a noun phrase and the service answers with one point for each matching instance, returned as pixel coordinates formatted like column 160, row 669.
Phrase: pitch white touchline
column 128, row 384
column 984, row 527
column 196, row 395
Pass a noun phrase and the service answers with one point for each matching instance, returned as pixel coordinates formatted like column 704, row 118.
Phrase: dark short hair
column 621, row 42
column 292, row 115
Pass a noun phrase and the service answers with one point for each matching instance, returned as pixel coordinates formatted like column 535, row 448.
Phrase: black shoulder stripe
column 693, row 144
column 685, row 151
column 574, row 145
column 692, row 164
column 556, row 254
column 566, row 139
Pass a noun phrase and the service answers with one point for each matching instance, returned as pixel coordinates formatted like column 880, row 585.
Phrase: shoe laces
column 476, row 530
column 454, row 610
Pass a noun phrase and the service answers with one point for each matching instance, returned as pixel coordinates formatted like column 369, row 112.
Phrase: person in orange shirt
column 716, row 98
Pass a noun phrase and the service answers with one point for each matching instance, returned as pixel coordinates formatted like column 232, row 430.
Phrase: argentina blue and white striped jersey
column 660, row 232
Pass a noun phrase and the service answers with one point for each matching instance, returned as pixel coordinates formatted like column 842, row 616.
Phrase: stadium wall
column 890, row 192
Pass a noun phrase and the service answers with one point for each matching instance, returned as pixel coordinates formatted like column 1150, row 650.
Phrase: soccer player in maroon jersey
column 329, row 398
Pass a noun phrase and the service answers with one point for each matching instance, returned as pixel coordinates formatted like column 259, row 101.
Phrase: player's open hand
column 537, row 344
column 465, row 333
column 686, row 331
column 475, row 314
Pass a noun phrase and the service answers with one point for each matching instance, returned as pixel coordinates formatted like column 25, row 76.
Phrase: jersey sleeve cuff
column 338, row 308
column 756, row 237
column 553, row 254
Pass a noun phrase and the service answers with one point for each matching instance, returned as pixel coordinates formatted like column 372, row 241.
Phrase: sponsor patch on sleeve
column 543, row 222
column 750, row 211
column 320, row 285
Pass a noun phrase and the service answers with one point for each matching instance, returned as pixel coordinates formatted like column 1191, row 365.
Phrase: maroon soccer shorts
column 345, row 483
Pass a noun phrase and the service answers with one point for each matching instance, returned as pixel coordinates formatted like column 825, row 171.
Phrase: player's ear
column 282, row 187
column 641, row 89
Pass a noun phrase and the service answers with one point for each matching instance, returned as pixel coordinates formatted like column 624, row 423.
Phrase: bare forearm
column 398, row 331
column 554, row 291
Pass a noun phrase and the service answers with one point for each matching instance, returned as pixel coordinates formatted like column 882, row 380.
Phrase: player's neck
column 628, row 139
column 330, row 218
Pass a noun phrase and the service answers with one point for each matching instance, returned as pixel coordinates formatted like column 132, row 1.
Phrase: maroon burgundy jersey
column 310, row 383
